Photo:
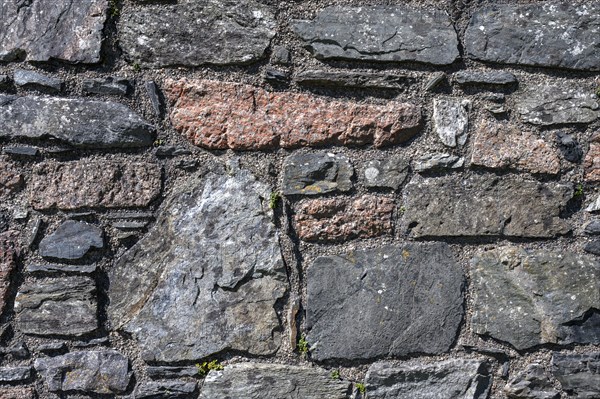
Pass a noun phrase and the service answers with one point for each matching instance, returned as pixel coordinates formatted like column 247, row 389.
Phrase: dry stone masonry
column 258, row 199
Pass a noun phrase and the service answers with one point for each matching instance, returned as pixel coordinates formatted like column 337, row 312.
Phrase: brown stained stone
column 10, row 179
column 218, row 115
column 74, row 185
column 343, row 219
column 500, row 146
column 17, row 393
column 591, row 163
column 8, row 255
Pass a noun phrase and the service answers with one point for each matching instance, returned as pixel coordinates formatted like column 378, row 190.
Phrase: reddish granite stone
column 591, row 163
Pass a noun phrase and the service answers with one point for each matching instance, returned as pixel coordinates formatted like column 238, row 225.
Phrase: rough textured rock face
column 451, row 119
column 532, row 383
column 390, row 301
column 381, row 33
column 211, row 267
column 214, row 32
column 342, row 219
column 11, row 179
column 256, row 381
column 498, row 78
column 166, row 390
column 218, row 115
column 440, row 161
column 94, row 184
column 579, row 374
column 103, row 372
column 521, row 34
column 313, row 174
column 386, row 173
column 452, row 379
column 531, row 298
column 8, row 258
column 67, row 30
column 319, row 78
column 17, row 393
column 591, row 163
column 71, row 240
column 484, row 206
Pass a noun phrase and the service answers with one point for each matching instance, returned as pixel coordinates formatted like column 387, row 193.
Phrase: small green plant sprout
column 302, row 345
column 578, row 191
column 274, row 200
column 361, row 388
column 205, row 367
column 157, row 143
column 335, row 375
column 114, row 8
column 136, row 67
column 401, row 210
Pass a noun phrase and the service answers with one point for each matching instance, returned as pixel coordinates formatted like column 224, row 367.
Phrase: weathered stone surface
column 14, row 374
column 531, row 383
column 218, row 115
column 451, row 120
column 532, row 298
column 214, row 32
column 60, row 268
column 381, row 33
column 211, row 267
column 67, row 30
column 591, row 162
column 342, row 219
column 78, row 122
column 592, row 228
column 321, row 78
column 388, row 173
column 281, row 56
column 555, row 104
column 484, row 206
column 158, row 372
column 60, row 306
column 17, row 393
column 165, row 390
column 31, row 79
column 11, row 179
column 579, row 374
column 21, row 151
column 312, row 174
column 451, row 379
column 503, row 146
column 551, row 34
column 105, row 184
column 111, row 85
column 440, row 161
column 485, row 78
column 155, row 98
column 104, row 372
column 592, row 247
column 257, row 381
column 8, row 258
column 390, row 301
column 276, row 76
column 594, row 206
column 569, row 147
column 71, row 240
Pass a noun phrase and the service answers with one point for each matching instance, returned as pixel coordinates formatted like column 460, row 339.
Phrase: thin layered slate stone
column 313, row 174
column 258, row 381
column 538, row 297
column 386, row 81
column 207, row 276
column 381, row 33
column 38, row 30
column 197, row 33
column 531, row 383
column 218, row 115
column 449, row 379
column 579, row 374
column 391, row 301
column 552, row 34
column 71, row 240
column 8, row 260
column 78, row 122
column 481, row 205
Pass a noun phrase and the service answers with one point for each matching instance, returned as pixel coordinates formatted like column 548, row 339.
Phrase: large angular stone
column 94, row 184
column 60, row 306
column 579, row 374
column 198, row 32
column 448, row 379
column 206, row 278
column 531, row 383
column 451, row 120
column 103, row 372
column 381, row 33
column 559, row 34
column 554, row 104
column 391, row 301
column 312, row 174
column 537, row 297
column 259, row 380
column 66, row 30
column 71, row 240
column 481, row 205
column 8, row 258
column 386, row 173
column 217, row 115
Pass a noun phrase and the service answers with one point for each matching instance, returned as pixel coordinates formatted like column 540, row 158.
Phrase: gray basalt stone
column 451, row 120
column 313, row 174
column 258, row 381
column 559, row 34
column 110, row 85
column 449, row 379
column 207, row 277
column 371, row 80
column 484, row 205
column 103, row 372
column 387, row 173
column 381, row 33
column 485, row 78
column 71, row 240
column 531, row 383
column 31, row 79
column 437, row 161
column 391, row 301
column 15, row 374
column 59, row 306
column 38, row 30
column 81, row 123
column 165, row 390
column 592, row 228
column 579, row 374
column 532, row 298
column 198, row 32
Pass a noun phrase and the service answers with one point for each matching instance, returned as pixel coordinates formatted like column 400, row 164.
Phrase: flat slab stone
column 79, row 122
column 559, row 34
column 15, row 374
column 258, row 380
column 531, row 383
column 451, row 120
column 537, row 297
column 71, row 240
column 206, row 278
column 66, row 30
column 166, row 390
column 480, row 205
column 437, row 161
column 319, row 78
column 8, row 258
column 391, row 301
column 103, row 372
column 381, row 33
column 59, row 306
column 196, row 33
column 485, row 78
column 579, row 374
column 31, row 79
column 313, row 174
column 386, row 173
column 451, row 379
column 111, row 85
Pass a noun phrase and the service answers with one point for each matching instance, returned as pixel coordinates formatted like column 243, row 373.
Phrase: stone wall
column 299, row 199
